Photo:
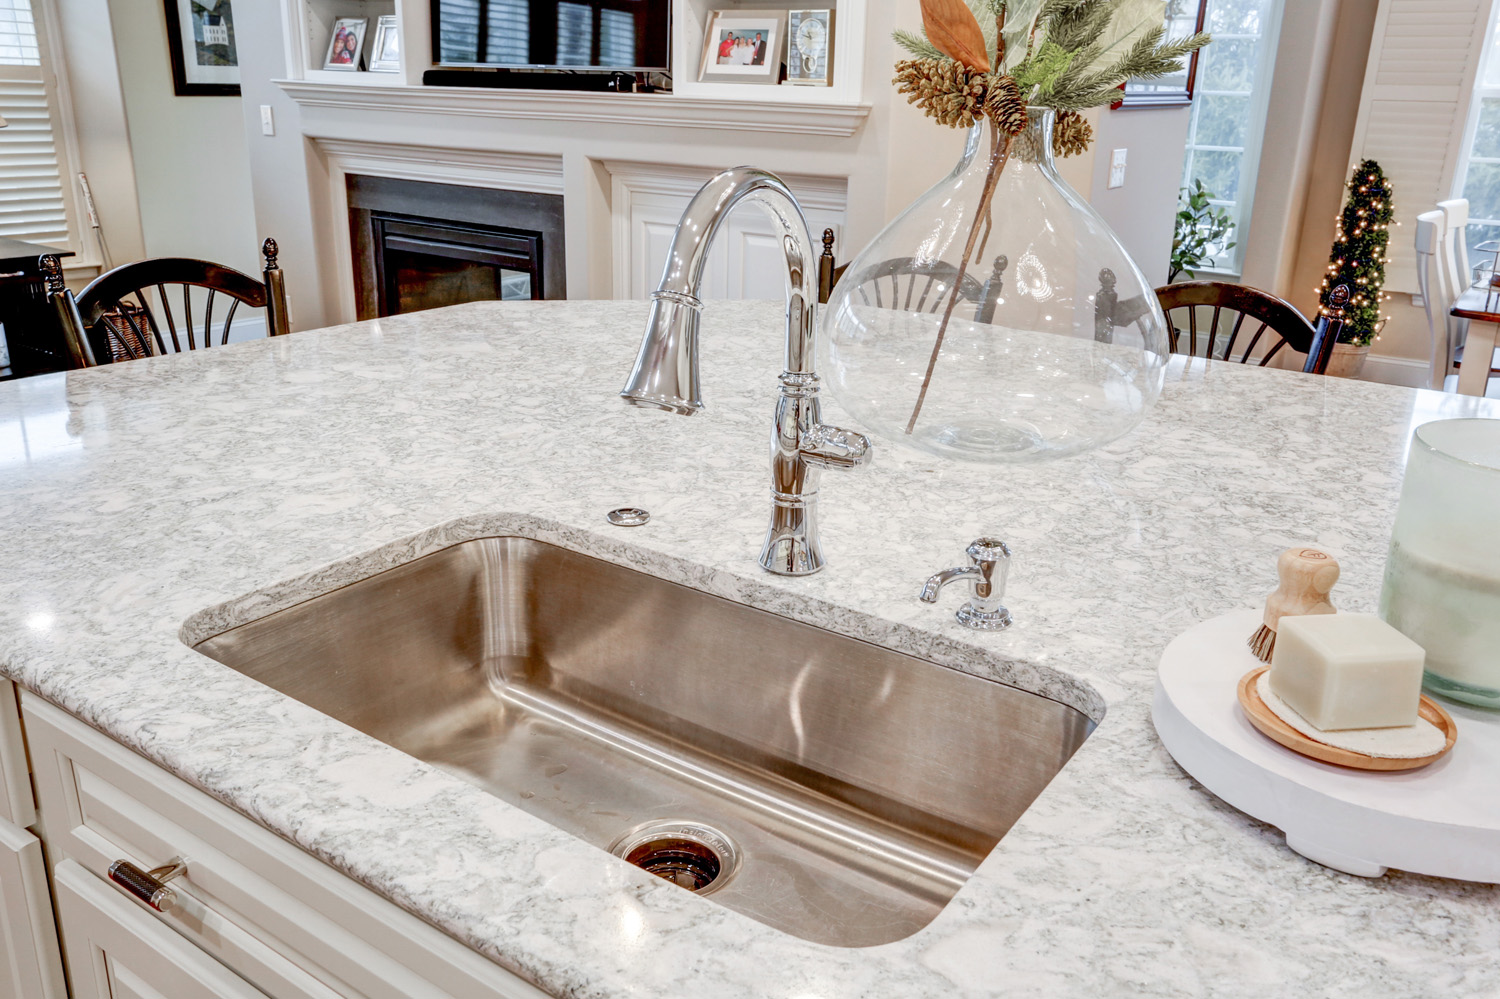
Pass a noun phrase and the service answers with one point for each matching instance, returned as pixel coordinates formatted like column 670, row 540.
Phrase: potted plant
column 1358, row 259
column 1198, row 233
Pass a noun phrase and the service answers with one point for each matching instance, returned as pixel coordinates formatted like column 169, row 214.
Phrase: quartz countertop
column 136, row 497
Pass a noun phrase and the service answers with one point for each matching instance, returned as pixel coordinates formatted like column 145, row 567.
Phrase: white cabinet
column 746, row 259
column 116, row 951
column 29, row 962
column 283, row 922
column 16, row 803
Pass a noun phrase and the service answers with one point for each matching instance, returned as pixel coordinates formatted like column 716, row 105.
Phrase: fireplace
column 423, row 246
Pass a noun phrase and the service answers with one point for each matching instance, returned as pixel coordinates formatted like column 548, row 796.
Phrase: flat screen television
column 631, row 36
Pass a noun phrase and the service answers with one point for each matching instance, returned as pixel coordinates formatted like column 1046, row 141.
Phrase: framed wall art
column 201, row 46
column 743, row 46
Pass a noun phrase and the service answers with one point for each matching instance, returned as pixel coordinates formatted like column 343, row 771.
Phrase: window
column 1229, row 111
column 1479, row 176
column 34, row 197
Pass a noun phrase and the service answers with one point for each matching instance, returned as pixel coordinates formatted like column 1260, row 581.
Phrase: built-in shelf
column 736, row 113
column 838, row 109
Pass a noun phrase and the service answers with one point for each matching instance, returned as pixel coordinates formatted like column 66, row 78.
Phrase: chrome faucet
column 989, row 564
column 666, row 370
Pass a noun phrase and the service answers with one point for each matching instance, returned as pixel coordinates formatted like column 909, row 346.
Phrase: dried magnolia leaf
column 952, row 28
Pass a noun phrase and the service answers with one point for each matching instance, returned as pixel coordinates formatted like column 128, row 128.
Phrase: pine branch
column 1074, row 24
column 916, row 44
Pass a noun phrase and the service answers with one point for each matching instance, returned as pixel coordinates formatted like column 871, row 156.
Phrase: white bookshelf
column 309, row 27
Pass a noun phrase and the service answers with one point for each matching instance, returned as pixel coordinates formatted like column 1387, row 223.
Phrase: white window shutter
column 1424, row 58
column 33, row 202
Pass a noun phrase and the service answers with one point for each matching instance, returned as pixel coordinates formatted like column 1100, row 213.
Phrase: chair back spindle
column 129, row 312
column 1275, row 323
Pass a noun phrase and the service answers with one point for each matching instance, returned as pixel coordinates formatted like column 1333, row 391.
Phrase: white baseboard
column 1396, row 371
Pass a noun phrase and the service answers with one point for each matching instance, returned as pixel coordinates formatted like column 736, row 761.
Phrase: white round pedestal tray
column 1443, row 819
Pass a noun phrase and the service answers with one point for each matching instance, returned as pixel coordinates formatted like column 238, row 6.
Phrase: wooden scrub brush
column 1307, row 575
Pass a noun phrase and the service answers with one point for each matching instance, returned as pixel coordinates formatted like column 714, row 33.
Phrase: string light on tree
column 1360, row 254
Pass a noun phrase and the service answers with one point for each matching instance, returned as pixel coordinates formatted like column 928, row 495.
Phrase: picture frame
column 346, row 43
column 743, row 46
column 1184, row 17
column 385, row 47
column 202, row 49
column 809, row 48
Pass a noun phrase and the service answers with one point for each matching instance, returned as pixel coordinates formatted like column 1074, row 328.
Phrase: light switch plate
column 1117, row 168
column 267, row 123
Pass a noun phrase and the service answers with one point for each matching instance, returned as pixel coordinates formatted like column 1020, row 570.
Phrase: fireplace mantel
column 802, row 117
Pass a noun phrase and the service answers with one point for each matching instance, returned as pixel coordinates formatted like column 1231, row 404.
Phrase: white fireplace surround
column 644, row 202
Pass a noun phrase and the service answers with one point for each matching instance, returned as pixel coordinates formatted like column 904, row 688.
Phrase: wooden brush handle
column 1307, row 575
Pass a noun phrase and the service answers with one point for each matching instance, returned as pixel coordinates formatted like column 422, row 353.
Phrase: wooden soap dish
column 1264, row 719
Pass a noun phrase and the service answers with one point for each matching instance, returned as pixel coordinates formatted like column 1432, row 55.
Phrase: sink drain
column 688, row 854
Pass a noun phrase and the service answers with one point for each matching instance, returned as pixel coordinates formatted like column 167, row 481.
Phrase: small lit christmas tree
column 1360, row 254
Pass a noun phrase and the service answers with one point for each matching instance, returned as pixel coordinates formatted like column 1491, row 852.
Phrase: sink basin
column 830, row 788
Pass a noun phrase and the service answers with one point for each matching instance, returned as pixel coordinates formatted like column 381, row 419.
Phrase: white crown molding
column 801, row 117
column 536, row 173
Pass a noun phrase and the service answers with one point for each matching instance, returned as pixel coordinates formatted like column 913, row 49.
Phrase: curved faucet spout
column 665, row 375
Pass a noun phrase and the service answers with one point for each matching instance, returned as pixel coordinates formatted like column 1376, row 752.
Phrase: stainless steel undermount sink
column 835, row 790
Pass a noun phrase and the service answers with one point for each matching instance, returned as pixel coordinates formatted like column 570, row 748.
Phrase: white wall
column 191, row 164
column 84, row 30
column 1142, row 211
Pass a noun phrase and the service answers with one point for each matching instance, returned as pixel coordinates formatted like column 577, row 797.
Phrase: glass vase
column 997, row 319
column 1442, row 576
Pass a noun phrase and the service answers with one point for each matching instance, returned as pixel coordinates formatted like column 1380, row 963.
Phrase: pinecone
column 1071, row 135
column 957, row 96
column 1003, row 105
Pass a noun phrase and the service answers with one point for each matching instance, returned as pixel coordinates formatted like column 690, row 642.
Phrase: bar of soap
column 1343, row 671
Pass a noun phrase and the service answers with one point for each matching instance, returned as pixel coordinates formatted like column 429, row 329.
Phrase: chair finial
column 1339, row 297
column 52, row 273
column 269, row 249
column 827, row 242
column 1106, row 278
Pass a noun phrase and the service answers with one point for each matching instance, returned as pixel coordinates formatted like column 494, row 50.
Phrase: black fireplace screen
column 424, row 246
column 421, row 264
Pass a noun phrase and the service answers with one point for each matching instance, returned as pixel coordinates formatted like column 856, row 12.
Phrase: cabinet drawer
column 16, row 803
column 283, row 920
column 29, row 962
column 116, row 952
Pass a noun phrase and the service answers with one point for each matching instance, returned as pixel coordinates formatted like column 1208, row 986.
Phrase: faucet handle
column 835, row 447
column 989, row 565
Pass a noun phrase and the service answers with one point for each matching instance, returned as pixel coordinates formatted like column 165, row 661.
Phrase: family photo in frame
column 743, row 46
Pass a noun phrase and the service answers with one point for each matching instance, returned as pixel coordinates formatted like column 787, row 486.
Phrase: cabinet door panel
column 117, row 951
column 29, row 961
column 16, row 803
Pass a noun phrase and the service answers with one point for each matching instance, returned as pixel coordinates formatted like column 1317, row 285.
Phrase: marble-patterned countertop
column 136, row 496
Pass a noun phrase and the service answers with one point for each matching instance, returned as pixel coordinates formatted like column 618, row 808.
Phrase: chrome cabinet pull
column 149, row 886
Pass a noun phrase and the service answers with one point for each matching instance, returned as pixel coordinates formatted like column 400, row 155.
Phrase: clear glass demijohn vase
column 997, row 319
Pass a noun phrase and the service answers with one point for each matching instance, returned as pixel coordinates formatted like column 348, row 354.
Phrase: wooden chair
column 1285, row 323
column 114, row 319
column 911, row 286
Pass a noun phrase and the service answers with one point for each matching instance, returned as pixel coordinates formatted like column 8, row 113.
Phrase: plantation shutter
column 33, row 202
column 1424, row 57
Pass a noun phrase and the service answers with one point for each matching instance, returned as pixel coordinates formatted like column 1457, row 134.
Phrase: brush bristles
column 1262, row 643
